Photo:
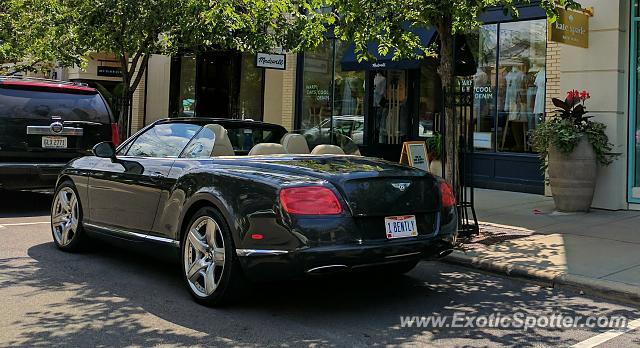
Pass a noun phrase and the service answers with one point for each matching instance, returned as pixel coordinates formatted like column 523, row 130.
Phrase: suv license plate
column 401, row 226
column 54, row 142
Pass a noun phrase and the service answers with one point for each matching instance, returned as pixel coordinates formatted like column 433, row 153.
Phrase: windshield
column 244, row 138
column 345, row 131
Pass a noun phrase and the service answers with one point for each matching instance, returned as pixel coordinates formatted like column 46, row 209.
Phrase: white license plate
column 401, row 226
column 54, row 142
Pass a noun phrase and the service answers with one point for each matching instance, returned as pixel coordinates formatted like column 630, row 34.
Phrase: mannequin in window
column 515, row 78
column 538, row 107
column 481, row 78
column 515, row 97
column 379, row 88
column 379, row 104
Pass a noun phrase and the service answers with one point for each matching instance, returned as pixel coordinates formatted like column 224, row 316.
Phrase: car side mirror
column 105, row 149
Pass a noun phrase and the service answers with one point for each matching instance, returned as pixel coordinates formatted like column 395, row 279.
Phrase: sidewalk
column 521, row 235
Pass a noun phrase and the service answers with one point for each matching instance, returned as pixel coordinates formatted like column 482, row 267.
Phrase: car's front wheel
column 209, row 264
column 66, row 218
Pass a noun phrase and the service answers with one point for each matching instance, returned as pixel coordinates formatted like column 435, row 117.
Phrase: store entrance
column 217, row 83
column 390, row 112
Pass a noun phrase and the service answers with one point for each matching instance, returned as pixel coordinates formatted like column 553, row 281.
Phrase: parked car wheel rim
column 65, row 216
column 204, row 256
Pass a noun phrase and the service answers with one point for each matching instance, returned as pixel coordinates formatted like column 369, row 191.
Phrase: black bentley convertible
column 242, row 200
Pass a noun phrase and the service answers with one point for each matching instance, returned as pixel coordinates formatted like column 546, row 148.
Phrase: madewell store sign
column 271, row 61
column 571, row 28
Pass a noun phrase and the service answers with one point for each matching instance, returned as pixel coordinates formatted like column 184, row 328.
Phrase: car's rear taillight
column 115, row 134
column 447, row 196
column 310, row 200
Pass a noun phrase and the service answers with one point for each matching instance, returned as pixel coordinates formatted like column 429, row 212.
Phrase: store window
column 348, row 100
column 332, row 98
column 509, row 85
column 484, row 97
column 521, row 80
column 316, row 101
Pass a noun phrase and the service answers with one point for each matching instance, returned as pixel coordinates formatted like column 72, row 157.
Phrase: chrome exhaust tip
column 444, row 253
column 327, row 269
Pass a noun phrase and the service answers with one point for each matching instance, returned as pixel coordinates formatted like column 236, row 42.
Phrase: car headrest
column 295, row 143
column 222, row 144
column 267, row 149
column 324, row 149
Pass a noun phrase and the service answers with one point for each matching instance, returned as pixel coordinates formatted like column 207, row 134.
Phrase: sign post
column 414, row 154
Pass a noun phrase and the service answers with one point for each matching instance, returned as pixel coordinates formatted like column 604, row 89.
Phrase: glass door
column 390, row 110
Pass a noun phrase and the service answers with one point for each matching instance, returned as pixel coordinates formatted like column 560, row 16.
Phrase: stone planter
column 573, row 177
column 435, row 167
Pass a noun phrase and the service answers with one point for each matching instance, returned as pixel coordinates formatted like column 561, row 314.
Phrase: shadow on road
column 109, row 292
column 24, row 203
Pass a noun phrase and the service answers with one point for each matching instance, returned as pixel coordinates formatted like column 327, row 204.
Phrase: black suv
column 46, row 123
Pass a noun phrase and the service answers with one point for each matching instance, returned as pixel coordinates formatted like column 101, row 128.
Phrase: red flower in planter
column 584, row 95
column 572, row 108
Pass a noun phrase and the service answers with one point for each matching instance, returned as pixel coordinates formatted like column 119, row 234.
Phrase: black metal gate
column 463, row 120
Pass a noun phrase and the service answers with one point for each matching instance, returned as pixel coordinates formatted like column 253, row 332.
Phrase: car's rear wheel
column 66, row 218
column 209, row 264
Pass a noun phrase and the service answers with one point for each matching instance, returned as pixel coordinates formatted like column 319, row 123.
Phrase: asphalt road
column 110, row 296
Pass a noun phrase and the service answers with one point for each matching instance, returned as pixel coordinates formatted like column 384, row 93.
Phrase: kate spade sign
column 571, row 28
column 271, row 61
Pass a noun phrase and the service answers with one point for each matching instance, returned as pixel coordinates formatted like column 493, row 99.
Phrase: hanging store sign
column 109, row 71
column 271, row 61
column 571, row 28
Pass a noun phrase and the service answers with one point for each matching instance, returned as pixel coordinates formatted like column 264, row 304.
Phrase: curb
column 559, row 280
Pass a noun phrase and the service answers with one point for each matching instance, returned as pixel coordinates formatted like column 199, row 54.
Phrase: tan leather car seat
column 267, row 149
column 324, row 149
column 295, row 143
column 222, row 144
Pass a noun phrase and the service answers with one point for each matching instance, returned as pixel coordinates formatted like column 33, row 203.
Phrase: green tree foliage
column 134, row 30
column 35, row 34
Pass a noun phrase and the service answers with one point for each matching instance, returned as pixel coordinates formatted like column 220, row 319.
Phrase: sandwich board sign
column 414, row 154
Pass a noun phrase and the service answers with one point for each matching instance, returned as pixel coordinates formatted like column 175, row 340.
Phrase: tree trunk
column 131, row 76
column 125, row 116
column 446, row 72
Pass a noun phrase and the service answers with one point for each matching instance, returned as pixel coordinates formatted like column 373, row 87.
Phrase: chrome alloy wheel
column 65, row 216
column 204, row 256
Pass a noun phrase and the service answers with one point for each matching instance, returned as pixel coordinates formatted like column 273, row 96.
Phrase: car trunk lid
column 370, row 187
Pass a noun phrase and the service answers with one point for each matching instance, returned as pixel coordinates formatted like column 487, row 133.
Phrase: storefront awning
column 350, row 61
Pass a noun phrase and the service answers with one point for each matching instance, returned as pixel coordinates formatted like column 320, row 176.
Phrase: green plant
column 565, row 131
column 434, row 147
